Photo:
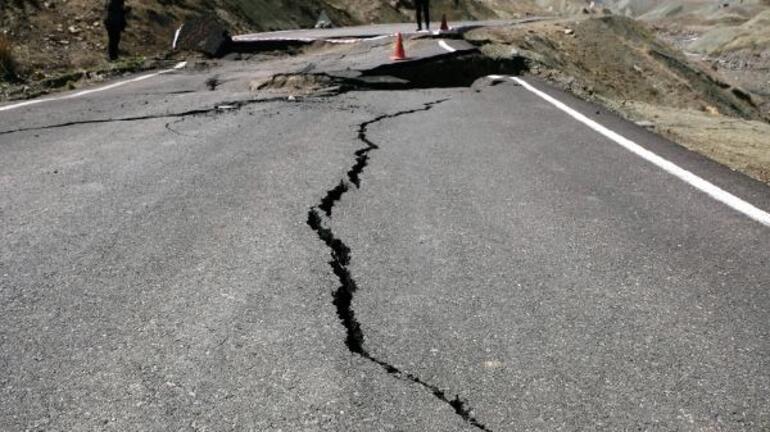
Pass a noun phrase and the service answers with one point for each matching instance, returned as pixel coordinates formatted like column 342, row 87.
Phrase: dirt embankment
column 637, row 69
column 50, row 35
column 57, row 43
column 621, row 64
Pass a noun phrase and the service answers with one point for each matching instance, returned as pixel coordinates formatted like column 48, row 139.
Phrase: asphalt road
column 501, row 267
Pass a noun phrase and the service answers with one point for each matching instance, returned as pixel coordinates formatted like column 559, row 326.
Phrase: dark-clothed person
column 115, row 21
column 423, row 11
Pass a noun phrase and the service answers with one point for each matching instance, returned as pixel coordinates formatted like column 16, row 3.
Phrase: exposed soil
column 742, row 145
column 622, row 64
column 616, row 58
column 294, row 84
column 52, row 38
column 696, row 71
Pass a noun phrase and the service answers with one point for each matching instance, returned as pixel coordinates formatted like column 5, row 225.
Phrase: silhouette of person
column 423, row 10
column 115, row 22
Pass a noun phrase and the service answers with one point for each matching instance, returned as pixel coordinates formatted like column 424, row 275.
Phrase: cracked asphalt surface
column 556, row 280
column 159, row 273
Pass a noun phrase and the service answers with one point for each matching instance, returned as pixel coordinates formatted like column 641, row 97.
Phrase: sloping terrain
column 54, row 42
column 740, row 144
column 620, row 63
column 707, row 61
column 616, row 58
column 734, row 39
column 53, row 35
column 754, row 34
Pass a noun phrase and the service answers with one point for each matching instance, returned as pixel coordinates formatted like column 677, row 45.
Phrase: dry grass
column 7, row 62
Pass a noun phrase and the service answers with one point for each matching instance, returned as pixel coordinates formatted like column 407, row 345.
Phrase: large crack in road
column 221, row 107
column 340, row 259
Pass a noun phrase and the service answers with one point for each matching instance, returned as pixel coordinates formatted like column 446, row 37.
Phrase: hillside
column 54, row 36
column 734, row 40
column 619, row 62
column 680, row 67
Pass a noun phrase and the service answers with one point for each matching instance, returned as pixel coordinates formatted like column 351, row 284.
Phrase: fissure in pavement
column 218, row 108
column 340, row 259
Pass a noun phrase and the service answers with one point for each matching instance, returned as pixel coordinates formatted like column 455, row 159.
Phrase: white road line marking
column 275, row 39
column 255, row 39
column 693, row 180
column 442, row 43
column 176, row 36
column 96, row 90
column 356, row 40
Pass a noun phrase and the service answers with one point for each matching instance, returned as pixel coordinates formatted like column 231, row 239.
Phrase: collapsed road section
column 427, row 63
column 340, row 259
column 444, row 71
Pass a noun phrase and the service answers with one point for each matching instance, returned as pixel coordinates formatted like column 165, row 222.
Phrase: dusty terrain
column 61, row 43
column 737, row 143
column 55, row 36
column 673, row 66
column 622, row 64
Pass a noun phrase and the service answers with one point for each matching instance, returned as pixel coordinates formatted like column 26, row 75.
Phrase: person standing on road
column 115, row 21
column 423, row 10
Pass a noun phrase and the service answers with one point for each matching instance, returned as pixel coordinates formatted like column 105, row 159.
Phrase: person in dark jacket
column 115, row 22
column 423, row 10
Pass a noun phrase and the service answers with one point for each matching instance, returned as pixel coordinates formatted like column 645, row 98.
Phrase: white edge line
column 342, row 41
column 442, row 43
column 250, row 38
column 176, row 36
column 179, row 65
column 693, row 180
column 356, row 40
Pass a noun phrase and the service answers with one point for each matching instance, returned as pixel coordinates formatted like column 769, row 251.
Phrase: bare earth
column 742, row 145
column 696, row 72
column 622, row 64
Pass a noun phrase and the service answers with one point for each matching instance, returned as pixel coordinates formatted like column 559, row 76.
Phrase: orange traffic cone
column 444, row 25
column 398, row 52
